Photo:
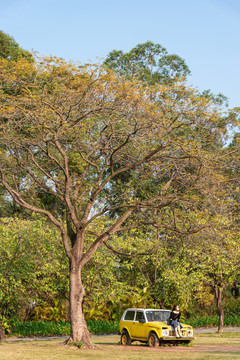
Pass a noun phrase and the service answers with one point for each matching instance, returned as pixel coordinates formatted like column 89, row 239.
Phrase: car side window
column 129, row 315
column 139, row 315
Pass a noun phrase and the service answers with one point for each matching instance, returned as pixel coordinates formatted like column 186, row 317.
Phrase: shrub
column 49, row 313
column 53, row 328
column 40, row 328
column 232, row 307
column 212, row 321
column 5, row 324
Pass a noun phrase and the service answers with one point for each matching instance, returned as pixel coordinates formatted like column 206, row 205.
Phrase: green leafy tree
column 10, row 50
column 33, row 267
column 218, row 259
column 162, row 266
column 148, row 62
column 72, row 130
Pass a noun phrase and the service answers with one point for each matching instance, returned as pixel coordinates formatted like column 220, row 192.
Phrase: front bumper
column 183, row 338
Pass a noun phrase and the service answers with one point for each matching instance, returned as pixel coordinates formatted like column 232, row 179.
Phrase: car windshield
column 158, row 315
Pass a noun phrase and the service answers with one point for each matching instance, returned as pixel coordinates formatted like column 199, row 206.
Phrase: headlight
column 165, row 332
column 190, row 333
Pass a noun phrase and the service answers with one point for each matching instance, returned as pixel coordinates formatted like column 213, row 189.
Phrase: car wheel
column 153, row 340
column 125, row 338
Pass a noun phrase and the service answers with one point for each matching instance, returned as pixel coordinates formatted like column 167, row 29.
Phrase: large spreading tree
column 96, row 144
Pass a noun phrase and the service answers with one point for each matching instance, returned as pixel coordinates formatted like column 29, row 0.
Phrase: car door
column 139, row 328
column 129, row 321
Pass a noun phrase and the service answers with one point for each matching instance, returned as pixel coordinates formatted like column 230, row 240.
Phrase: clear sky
column 206, row 33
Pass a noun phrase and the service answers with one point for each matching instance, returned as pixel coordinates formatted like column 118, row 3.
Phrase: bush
column 5, row 324
column 54, row 313
column 203, row 321
column 53, row 328
column 98, row 327
column 103, row 327
column 232, row 307
column 40, row 328
column 212, row 321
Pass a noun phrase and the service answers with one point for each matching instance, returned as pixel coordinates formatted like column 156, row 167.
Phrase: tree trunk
column 220, row 309
column 2, row 333
column 79, row 330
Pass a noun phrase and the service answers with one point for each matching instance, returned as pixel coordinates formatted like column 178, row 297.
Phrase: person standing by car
column 174, row 321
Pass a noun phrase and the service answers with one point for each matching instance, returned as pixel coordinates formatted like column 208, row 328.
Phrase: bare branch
column 130, row 255
column 55, row 110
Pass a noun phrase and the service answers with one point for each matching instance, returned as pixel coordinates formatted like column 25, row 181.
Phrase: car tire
column 125, row 338
column 153, row 340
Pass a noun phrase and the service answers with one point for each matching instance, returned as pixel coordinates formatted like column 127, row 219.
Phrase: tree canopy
column 96, row 143
column 148, row 62
column 10, row 49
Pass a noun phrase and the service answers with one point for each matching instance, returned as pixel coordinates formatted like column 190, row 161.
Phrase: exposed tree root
column 80, row 344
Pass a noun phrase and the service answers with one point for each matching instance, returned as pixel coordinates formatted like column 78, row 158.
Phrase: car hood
column 160, row 324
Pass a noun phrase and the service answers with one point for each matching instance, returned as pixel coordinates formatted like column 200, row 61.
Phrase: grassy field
column 207, row 346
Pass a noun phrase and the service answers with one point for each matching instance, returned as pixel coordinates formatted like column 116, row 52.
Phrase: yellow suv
column 150, row 326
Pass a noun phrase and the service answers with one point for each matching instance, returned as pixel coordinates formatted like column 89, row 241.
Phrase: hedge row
column 212, row 321
column 50, row 328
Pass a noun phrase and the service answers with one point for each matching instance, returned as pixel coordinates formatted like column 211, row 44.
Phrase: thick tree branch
column 114, row 228
column 67, row 184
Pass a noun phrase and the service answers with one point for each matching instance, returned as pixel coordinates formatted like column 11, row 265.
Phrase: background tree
column 215, row 251
column 218, row 258
column 33, row 267
column 71, row 131
column 149, row 63
column 10, row 49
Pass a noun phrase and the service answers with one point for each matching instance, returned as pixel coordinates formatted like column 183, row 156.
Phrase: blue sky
column 205, row 33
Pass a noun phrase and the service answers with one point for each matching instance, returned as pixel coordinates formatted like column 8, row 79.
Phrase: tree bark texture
column 2, row 333
column 79, row 330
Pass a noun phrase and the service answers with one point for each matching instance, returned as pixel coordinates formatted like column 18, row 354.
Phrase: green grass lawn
column 207, row 346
